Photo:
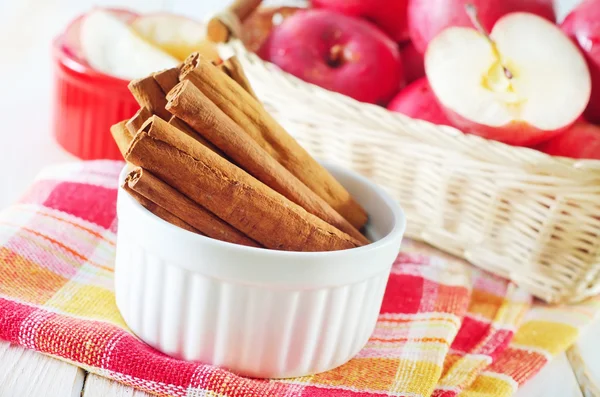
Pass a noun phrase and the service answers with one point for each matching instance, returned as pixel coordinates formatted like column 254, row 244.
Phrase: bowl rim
column 397, row 232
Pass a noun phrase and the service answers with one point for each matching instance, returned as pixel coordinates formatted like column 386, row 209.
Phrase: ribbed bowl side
column 254, row 330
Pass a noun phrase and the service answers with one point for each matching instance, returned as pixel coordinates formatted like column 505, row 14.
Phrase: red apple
column 418, row 101
column 337, row 52
column 412, row 62
column 582, row 141
column 523, row 84
column 583, row 25
column 389, row 15
column 427, row 18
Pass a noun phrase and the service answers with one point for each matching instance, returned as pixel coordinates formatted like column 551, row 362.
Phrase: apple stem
column 472, row 13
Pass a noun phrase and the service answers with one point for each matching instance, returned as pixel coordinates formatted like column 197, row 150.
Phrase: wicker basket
column 517, row 212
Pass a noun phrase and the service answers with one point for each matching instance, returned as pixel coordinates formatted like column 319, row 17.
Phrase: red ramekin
column 86, row 103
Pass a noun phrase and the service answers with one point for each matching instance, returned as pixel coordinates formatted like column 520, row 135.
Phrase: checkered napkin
column 445, row 328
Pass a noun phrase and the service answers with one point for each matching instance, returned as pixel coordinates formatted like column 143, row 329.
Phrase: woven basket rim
column 535, row 157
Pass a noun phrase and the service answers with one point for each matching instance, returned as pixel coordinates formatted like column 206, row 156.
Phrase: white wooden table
column 26, row 27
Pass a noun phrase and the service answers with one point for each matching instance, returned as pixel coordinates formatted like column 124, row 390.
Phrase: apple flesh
column 418, row 101
column 522, row 85
column 581, row 141
column 71, row 39
column 337, row 52
column 388, row 15
column 176, row 35
column 427, row 18
column 583, row 26
column 412, row 62
column 111, row 46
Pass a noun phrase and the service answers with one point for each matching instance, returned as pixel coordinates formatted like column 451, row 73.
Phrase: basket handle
column 227, row 24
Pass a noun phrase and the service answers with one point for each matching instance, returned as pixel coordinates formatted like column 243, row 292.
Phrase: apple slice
column 110, row 46
column 523, row 84
column 71, row 39
column 417, row 101
column 581, row 141
column 175, row 35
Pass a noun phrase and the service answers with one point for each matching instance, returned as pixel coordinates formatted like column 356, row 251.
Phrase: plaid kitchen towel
column 445, row 328
column 487, row 329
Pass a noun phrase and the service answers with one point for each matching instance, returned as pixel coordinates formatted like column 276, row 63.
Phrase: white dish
column 258, row 312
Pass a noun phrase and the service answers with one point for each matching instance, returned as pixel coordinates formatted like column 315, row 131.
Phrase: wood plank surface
column 27, row 373
column 555, row 380
column 96, row 386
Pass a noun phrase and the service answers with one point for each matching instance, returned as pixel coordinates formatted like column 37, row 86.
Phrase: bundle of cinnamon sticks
column 211, row 160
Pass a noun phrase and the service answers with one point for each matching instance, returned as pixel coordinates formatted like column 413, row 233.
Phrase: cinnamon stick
column 158, row 210
column 148, row 94
column 234, row 69
column 230, row 193
column 144, row 183
column 243, row 8
column 138, row 119
column 188, row 103
column 167, row 78
column 183, row 126
column 247, row 112
column 121, row 136
column 217, row 31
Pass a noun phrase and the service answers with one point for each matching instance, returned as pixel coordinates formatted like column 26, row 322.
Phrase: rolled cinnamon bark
column 234, row 69
column 230, row 193
column 138, row 119
column 158, row 210
column 121, row 136
column 188, row 103
column 148, row 94
column 217, row 31
column 167, row 78
column 247, row 112
column 155, row 190
column 183, row 126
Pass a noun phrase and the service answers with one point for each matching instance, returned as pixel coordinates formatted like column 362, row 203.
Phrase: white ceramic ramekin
column 257, row 312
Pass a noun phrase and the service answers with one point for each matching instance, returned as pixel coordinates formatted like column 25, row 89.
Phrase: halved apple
column 523, row 84
column 110, row 45
column 175, row 35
